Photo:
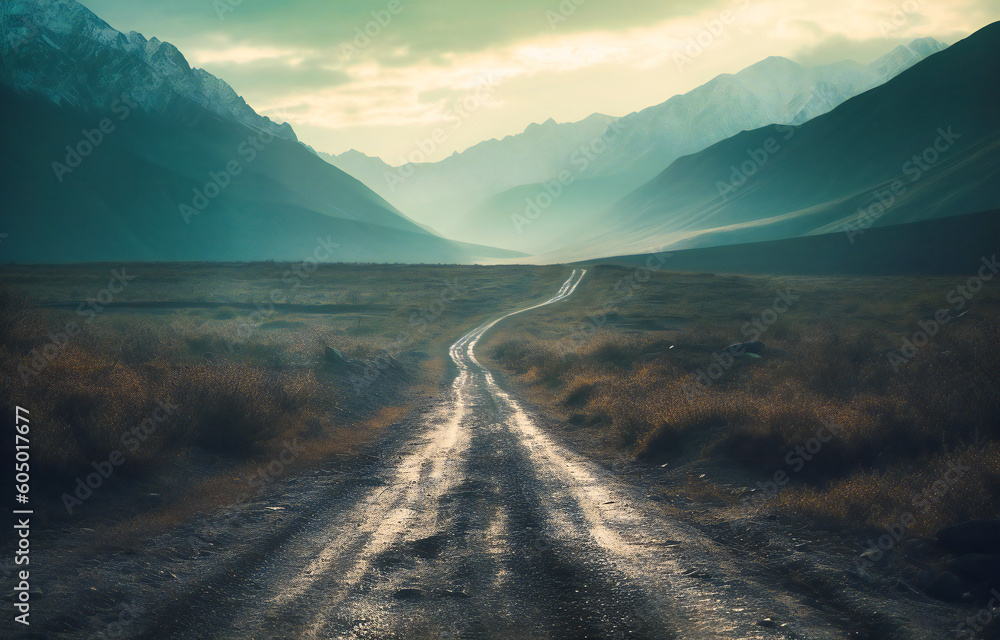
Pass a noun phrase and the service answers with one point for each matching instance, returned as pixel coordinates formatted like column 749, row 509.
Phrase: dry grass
column 240, row 382
column 241, row 482
column 618, row 366
column 90, row 398
column 636, row 390
column 240, row 407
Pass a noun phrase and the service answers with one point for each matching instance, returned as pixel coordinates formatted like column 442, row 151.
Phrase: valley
column 468, row 321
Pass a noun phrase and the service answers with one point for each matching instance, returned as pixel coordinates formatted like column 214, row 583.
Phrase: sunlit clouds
column 244, row 55
column 375, row 81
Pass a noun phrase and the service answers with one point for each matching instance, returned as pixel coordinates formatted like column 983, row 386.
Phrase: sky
column 383, row 76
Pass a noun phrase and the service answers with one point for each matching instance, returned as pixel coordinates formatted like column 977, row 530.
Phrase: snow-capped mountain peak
column 905, row 56
column 61, row 36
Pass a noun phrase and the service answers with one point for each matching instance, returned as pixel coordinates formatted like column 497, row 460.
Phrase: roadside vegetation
column 835, row 419
column 200, row 382
column 632, row 366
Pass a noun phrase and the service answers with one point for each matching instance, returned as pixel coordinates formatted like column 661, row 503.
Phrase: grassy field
column 207, row 372
column 871, row 400
column 163, row 370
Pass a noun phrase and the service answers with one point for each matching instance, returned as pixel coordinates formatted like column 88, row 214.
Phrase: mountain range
column 119, row 150
column 922, row 146
column 122, row 151
column 439, row 191
column 496, row 191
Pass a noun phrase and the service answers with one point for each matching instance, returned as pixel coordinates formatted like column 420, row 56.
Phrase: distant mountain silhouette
column 438, row 193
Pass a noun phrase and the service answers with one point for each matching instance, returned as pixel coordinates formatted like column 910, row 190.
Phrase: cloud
column 423, row 29
column 376, row 75
column 243, row 55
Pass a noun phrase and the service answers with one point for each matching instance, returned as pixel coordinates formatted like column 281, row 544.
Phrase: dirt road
column 476, row 523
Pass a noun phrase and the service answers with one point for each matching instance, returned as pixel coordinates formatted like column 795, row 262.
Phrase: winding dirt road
column 474, row 524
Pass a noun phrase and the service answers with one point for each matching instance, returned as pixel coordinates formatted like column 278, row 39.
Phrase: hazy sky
column 480, row 70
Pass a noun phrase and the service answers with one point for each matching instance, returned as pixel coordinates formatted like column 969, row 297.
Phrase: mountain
column 368, row 169
column 46, row 39
column 903, row 57
column 775, row 90
column 117, row 150
column 957, row 245
column 491, row 192
column 436, row 193
column 640, row 145
column 924, row 145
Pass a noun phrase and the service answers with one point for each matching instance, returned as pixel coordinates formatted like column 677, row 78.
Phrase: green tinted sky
column 293, row 60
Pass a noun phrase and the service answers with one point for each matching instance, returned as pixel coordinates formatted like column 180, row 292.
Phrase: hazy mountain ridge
column 477, row 195
column 502, row 192
column 775, row 90
column 438, row 193
column 922, row 146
